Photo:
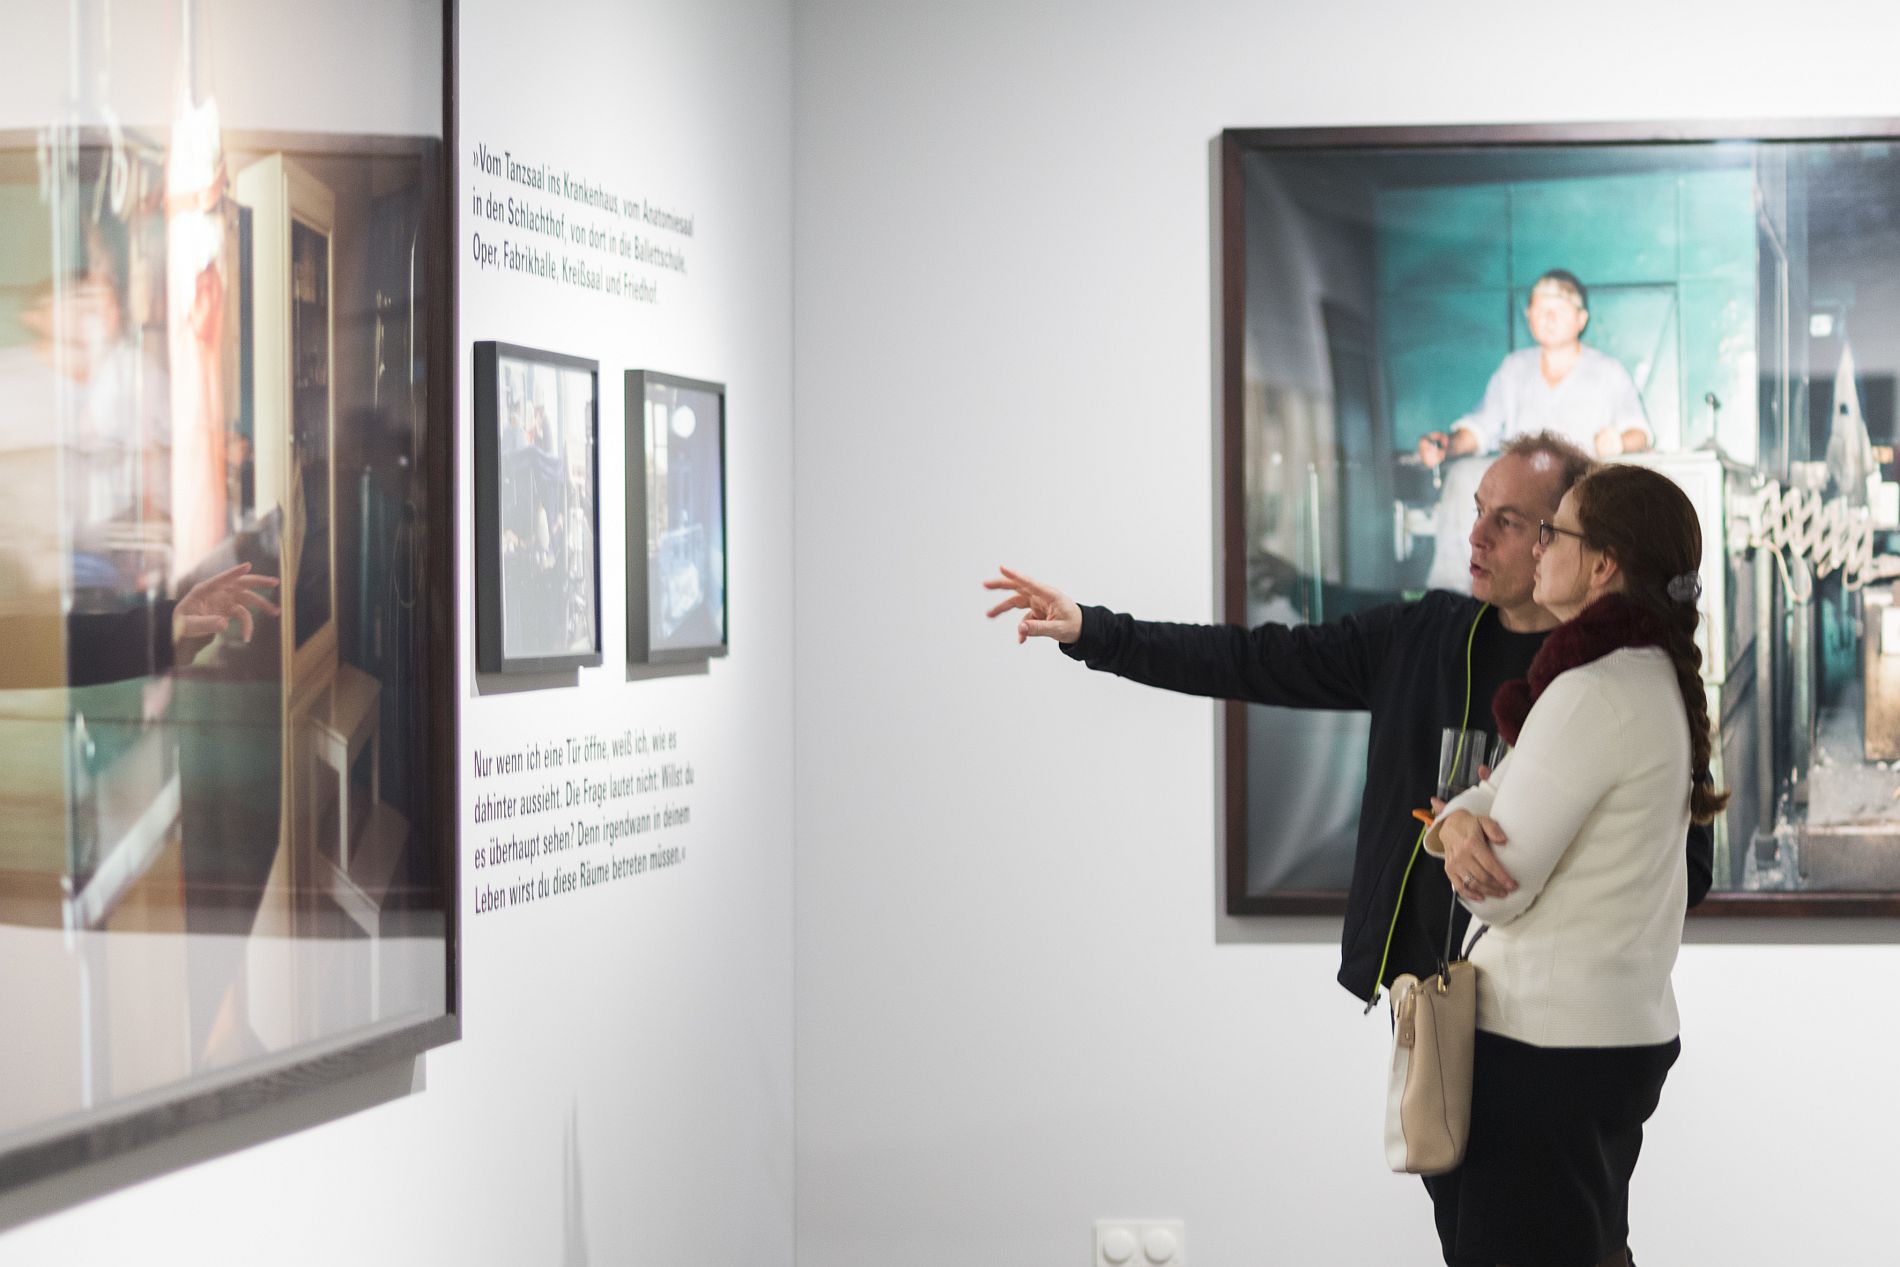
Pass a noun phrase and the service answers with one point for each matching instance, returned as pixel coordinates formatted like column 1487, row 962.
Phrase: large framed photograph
column 227, row 868
column 676, row 518
column 537, row 510
column 1735, row 296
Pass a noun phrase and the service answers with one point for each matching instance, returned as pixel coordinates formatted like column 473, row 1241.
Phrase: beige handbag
column 1428, row 1093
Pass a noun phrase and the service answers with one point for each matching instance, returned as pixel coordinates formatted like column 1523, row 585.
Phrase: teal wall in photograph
column 1669, row 260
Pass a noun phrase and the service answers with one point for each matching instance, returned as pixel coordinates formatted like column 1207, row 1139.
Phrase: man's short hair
column 1565, row 283
column 1571, row 462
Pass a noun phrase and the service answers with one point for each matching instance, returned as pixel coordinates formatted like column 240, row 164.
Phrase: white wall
column 1017, row 1010
column 623, row 1088
column 271, row 64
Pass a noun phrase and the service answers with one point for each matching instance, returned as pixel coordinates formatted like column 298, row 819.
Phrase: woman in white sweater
column 1610, row 752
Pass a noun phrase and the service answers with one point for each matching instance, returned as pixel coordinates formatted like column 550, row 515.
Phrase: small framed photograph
column 537, row 510
column 676, row 518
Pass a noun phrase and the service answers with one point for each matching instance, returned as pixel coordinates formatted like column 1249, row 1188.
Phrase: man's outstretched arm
column 1305, row 666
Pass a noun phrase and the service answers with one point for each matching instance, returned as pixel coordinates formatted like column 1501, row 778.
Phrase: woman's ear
column 1605, row 573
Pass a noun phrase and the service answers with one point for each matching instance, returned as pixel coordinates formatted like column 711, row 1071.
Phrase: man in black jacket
column 1405, row 663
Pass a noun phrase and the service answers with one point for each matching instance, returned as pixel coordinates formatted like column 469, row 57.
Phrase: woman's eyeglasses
column 1547, row 533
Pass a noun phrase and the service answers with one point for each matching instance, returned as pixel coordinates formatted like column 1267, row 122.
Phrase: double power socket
column 1140, row 1243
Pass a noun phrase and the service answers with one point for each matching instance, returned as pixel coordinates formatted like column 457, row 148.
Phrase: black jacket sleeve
column 113, row 646
column 1701, row 851
column 1298, row 666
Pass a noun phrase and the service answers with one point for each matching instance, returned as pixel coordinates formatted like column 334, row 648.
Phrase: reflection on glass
column 545, row 466
column 217, row 844
column 311, row 422
column 686, row 567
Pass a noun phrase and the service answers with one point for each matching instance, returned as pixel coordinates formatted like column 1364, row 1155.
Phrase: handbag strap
column 1445, row 959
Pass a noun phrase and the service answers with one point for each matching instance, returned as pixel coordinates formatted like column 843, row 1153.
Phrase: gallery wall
column 622, row 1088
column 1018, row 1008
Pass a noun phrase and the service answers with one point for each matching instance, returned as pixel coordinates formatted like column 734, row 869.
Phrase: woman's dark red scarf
column 1609, row 624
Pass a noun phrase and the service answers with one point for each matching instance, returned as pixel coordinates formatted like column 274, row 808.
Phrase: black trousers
column 1555, row 1132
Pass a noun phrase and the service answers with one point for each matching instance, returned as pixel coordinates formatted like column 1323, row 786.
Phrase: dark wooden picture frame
column 492, row 603
column 1768, row 771
column 163, row 1112
column 647, row 540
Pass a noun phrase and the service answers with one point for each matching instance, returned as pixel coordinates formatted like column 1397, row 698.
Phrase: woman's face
column 1563, row 566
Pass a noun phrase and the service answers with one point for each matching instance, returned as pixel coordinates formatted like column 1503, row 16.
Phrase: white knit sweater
column 1594, row 805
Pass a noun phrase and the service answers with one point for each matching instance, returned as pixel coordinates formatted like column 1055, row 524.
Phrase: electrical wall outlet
column 1140, row 1243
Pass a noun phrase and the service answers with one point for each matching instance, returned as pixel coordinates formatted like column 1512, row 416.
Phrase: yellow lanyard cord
column 1457, row 760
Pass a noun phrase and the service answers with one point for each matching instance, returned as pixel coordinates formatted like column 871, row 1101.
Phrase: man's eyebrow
column 1504, row 510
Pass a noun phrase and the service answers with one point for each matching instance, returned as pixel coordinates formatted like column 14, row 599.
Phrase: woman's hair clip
column 1686, row 588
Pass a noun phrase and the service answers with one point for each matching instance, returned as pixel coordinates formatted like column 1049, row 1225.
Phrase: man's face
column 1513, row 495
column 1555, row 317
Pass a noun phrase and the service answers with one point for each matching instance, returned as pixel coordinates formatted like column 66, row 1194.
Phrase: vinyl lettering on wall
column 571, row 229
column 566, row 813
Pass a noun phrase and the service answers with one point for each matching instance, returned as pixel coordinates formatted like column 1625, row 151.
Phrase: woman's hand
column 1473, row 869
column 1052, row 614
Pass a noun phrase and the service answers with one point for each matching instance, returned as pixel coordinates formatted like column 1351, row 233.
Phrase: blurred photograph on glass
column 676, row 520
column 1730, row 308
column 224, row 851
column 537, row 477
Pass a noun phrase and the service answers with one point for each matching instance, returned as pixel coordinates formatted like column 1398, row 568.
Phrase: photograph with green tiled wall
column 1669, row 259
column 1749, row 289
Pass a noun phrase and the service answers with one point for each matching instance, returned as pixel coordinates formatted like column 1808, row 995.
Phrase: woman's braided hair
column 1649, row 526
